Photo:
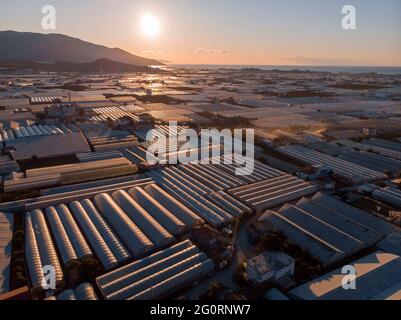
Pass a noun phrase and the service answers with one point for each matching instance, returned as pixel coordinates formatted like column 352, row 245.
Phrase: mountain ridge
column 30, row 46
column 99, row 66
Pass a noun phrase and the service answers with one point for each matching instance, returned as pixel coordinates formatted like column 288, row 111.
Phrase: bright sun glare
column 150, row 26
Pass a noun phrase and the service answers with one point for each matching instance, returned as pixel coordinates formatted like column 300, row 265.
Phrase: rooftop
column 269, row 261
column 378, row 277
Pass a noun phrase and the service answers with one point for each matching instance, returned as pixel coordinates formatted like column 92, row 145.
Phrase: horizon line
column 283, row 65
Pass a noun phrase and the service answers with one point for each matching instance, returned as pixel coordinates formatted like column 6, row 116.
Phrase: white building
column 270, row 267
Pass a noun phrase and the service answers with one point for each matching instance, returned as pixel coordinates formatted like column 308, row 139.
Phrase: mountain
column 98, row 66
column 30, row 46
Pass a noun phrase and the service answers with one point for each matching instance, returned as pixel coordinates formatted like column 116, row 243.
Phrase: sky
column 254, row 32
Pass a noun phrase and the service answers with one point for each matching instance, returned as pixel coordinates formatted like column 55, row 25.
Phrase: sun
column 150, row 26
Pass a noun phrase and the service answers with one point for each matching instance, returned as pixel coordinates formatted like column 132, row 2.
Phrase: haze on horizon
column 257, row 32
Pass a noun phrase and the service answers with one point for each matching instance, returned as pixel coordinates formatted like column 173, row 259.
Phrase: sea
column 333, row 69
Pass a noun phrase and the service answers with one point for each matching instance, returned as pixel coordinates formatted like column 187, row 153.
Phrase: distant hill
column 98, row 66
column 57, row 47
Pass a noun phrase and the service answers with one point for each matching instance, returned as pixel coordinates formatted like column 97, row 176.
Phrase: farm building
column 40, row 250
column 47, row 146
column 328, row 228
column 202, row 191
column 30, row 131
column 113, row 223
column 372, row 148
column 343, row 169
column 84, row 291
column 387, row 144
column 6, row 234
column 83, row 171
column 202, row 187
column 115, row 113
column 106, row 142
column 158, row 275
column 7, row 165
column 372, row 161
column 161, row 131
column 388, row 195
column 269, row 267
column 378, row 277
column 272, row 192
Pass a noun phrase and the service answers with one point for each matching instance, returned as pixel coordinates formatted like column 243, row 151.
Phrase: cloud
column 301, row 60
column 210, row 52
column 158, row 52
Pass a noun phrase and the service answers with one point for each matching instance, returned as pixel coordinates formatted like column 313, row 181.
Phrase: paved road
column 243, row 250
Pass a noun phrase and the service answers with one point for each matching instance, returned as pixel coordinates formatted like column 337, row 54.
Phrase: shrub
column 18, row 262
column 19, row 280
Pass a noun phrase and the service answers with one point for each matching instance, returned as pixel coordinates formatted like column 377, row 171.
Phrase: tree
column 240, row 273
column 81, row 112
column 291, row 248
column 214, row 290
column 110, row 122
column 270, row 242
